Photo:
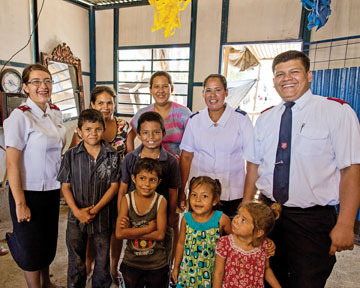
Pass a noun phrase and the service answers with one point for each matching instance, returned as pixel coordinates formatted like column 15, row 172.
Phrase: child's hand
column 174, row 275
column 271, row 247
column 152, row 226
column 124, row 222
column 182, row 201
column 84, row 216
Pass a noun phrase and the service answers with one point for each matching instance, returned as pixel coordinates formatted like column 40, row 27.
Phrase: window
column 135, row 69
column 63, row 93
column 248, row 70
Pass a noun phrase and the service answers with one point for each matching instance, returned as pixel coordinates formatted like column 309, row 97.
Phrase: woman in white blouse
column 34, row 138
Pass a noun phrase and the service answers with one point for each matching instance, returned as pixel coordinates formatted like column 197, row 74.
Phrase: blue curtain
column 343, row 83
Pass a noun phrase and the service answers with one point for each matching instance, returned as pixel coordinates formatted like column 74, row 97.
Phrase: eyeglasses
column 37, row 83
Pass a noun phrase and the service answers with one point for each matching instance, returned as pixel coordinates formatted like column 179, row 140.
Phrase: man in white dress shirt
column 323, row 171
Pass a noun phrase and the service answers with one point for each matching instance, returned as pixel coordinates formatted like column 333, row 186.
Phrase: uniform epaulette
column 194, row 114
column 342, row 102
column 267, row 109
column 24, row 108
column 238, row 110
column 53, row 106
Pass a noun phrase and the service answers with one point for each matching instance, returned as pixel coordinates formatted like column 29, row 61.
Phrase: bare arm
column 250, row 180
column 122, row 191
column 159, row 233
column 179, row 250
column 185, row 165
column 342, row 235
column 82, row 214
column 108, row 196
column 75, row 140
column 23, row 212
column 225, row 225
column 270, row 276
column 130, row 233
column 130, row 141
column 219, row 271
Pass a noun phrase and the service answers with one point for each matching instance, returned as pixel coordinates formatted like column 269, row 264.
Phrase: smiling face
column 214, row 94
column 242, row 224
column 151, row 134
column 202, row 199
column 146, row 182
column 91, row 132
column 105, row 104
column 291, row 80
column 161, row 89
column 42, row 94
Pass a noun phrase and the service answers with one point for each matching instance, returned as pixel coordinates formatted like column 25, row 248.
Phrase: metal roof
column 107, row 4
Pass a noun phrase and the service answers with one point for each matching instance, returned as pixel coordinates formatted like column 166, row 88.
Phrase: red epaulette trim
column 342, row 102
column 267, row 109
column 24, row 108
column 53, row 106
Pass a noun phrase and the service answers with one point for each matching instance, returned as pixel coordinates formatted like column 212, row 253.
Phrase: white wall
column 60, row 22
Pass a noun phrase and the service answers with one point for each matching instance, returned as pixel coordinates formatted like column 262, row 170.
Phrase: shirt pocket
column 312, row 141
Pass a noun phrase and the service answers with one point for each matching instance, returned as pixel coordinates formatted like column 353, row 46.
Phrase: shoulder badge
column 53, row 106
column 191, row 116
column 342, row 102
column 24, row 108
column 238, row 110
column 267, row 109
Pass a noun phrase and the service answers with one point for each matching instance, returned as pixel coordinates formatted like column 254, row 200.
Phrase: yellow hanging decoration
column 167, row 15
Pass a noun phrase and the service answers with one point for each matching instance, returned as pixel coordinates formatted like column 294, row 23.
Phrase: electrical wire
column 36, row 24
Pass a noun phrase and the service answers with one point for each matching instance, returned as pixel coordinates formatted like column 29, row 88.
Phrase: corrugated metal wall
column 341, row 83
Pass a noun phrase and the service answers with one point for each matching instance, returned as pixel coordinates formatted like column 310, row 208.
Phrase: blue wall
column 341, row 83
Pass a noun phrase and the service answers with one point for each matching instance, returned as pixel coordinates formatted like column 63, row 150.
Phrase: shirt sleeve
column 174, row 173
column 247, row 131
column 116, row 168
column 264, row 246
column 16, row 130
column 125, row 169
column 64, row 175
column 221, row 249
column 252, row 147
column 187, row 142
column 346, row 138
column 185, row 116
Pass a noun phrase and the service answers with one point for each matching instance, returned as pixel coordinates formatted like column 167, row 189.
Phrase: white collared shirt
column 325, row 139
column 218, row 148
column 41, row 137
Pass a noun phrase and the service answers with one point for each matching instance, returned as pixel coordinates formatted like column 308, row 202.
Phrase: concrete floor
column 346, row 273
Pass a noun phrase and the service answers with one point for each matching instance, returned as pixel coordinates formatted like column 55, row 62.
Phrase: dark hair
column 149, row 117
column 292, row 55
column 219, row 76
column 90, row 115
column 149, row 165
column 33, row 67
column 205, row 180
column 263, row 216
column 160, row 73
column 100, row 89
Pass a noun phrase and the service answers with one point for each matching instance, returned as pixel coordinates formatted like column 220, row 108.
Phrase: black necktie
column 282, row 163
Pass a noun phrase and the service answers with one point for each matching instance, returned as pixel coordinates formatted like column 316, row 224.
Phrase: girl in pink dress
column 242, row 259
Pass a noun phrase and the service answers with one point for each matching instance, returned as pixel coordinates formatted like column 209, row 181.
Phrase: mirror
column 67, row 91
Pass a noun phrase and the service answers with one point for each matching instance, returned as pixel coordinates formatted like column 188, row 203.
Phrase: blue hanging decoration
column 320, row 11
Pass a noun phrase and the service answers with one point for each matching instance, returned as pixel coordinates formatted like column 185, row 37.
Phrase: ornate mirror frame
column 63, row 54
